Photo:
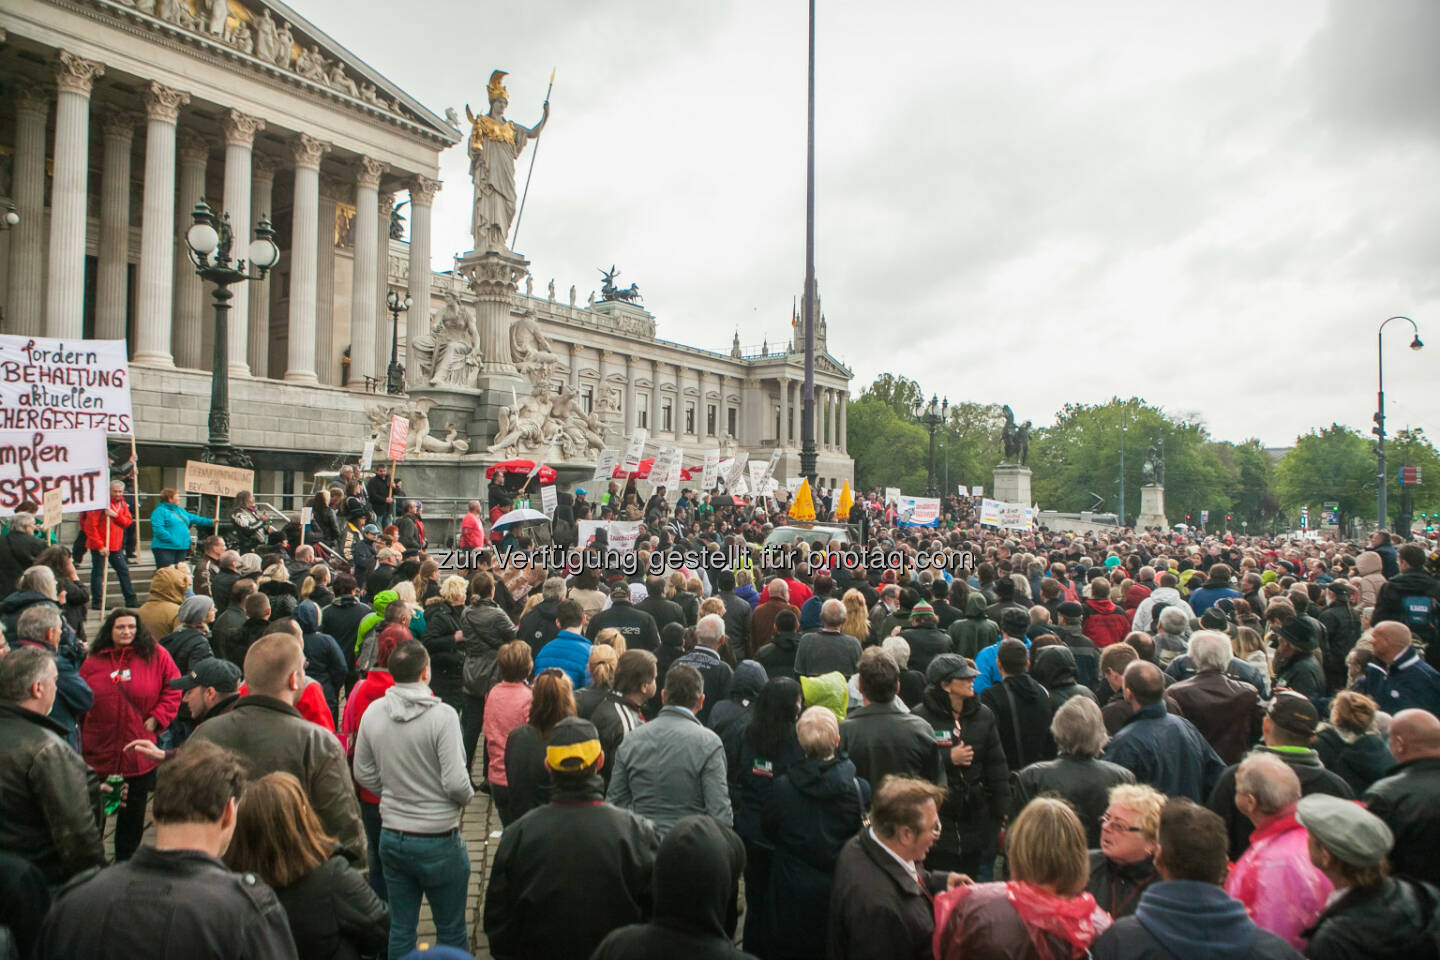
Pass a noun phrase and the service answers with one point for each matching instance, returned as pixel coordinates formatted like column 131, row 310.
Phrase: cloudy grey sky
column 1211, row 206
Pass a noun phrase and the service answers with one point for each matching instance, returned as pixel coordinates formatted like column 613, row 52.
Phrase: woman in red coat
column 130, row 674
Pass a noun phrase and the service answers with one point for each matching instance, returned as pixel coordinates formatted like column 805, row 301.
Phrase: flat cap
column 1346, row 829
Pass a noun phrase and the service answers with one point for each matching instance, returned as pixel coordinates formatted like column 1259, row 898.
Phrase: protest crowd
column 1027, row 744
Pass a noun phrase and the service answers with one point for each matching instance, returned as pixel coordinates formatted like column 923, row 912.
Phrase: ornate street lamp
column 1381, row 506
column 395, row 373
column 930, row 416
column 208, row 241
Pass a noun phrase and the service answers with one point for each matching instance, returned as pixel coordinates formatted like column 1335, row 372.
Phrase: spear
column 516, row 238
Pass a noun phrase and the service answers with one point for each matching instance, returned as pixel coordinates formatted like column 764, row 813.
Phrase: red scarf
column 1076, row 920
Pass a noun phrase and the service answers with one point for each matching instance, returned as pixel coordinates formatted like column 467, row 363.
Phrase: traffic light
column 1187, row 518
column 1379, row 424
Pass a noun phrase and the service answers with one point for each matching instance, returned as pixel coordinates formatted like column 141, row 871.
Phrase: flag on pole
column 802, row 505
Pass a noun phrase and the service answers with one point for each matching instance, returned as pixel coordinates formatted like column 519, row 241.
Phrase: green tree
column 968, row 445
column 889, row 448
column 898, row 393
column 1251, row 485
column 1411, row 448
column 1334, row 464
column 1077, row 461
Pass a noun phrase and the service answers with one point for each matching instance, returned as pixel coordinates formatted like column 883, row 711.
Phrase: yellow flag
column 802, row 507
column 847, row 500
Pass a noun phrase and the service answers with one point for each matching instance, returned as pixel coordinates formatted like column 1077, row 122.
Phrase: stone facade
column 123, row 114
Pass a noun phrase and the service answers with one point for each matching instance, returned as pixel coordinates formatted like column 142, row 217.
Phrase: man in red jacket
column 1104, row 623
column 105, row 537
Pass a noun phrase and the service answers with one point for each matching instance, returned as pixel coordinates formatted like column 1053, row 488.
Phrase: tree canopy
column 1077, row 460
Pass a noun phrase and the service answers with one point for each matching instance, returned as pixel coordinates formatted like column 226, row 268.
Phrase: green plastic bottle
column 113, row 798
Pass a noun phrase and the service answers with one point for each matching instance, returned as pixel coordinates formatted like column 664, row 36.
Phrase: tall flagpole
column 516, row 237
column 807, row 409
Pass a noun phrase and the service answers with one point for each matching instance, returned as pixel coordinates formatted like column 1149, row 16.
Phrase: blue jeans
column 370, row 817
column 168, row 558
column 437, row 868
column 122, row 571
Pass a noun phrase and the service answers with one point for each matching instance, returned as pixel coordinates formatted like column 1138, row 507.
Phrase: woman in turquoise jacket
column 170, row 529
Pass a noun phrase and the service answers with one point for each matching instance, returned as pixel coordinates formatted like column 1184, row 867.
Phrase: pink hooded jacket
column 1275, row 880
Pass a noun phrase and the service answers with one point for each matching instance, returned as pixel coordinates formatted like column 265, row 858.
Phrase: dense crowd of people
column 1001, row 744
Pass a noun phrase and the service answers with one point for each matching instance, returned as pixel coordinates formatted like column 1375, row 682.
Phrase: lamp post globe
column 208, row 243
column 1382, row 508
column 395, row 372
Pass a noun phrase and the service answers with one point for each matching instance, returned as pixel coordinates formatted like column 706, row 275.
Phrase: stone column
column 262, row 196
column 654, row 417
column 783, row 434
column 362, row 288
column 65, row 291
column 628, row 420
column 111, row 289
column 331, row 190
column 305, row 259
column 844, row 420
column 26, row 302
column 385, row 205
column 422, row 199
column 574, row 374
column 823, row 423
column 240, row 131
column 191, row 334
column 600, row 355
column 679, row 422
column 158, row 220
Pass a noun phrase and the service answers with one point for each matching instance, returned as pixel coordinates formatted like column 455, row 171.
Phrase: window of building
column 690, row 418
column 587, row 398
column 642, row 412
column 665, row 417
column 730, row 419
column 711, row 418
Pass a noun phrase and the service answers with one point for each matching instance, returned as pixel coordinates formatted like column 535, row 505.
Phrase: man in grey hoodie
column 409, row 752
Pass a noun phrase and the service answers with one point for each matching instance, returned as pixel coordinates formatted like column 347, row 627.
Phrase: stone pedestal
column 1152, row 508
column 496, row 390
column 1012, row 483
column 493, row 276
column 452, row 404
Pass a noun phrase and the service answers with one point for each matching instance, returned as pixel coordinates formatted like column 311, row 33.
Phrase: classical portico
column 118, row 116
column 151, row 106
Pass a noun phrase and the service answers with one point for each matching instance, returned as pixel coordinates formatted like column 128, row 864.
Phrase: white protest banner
column 757, row 477
column 605, row 465
column 54, row 508
column 620, row 534
column 50, row 384
column 34, row 462
column 739, row 488
column 217, row 480
column 635, row 451
column 1007, row 516
column 892, row 495
column 974, row 491
column 793, row 483
column 711, row 473
column 919, row 511
column 305, row 514
column 548, row 499
column 774, row 460
column 367, row 456
column 399, row 437
column 736, row 472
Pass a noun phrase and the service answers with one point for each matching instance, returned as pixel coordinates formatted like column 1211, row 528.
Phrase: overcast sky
column 1211, row 206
